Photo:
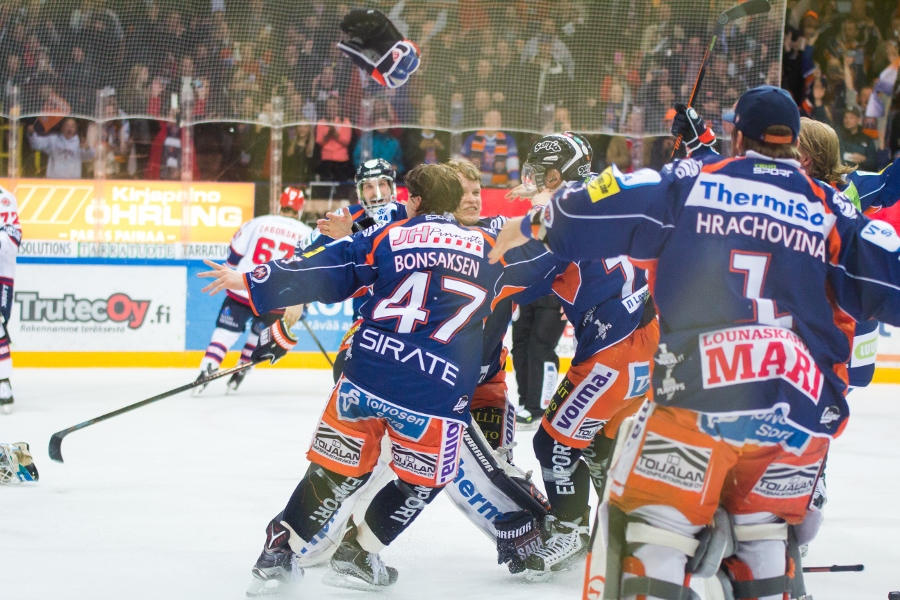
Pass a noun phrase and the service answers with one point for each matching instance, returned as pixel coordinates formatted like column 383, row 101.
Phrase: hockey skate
column 6, row 396
column 354, row 568
column 235, row 381
column 568, row 543
column 527, row 420
column 276, row 568
column 203, row 373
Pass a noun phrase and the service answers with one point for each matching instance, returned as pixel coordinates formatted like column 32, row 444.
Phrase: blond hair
column 820, row 142
column 466, row 168
column 773, row 150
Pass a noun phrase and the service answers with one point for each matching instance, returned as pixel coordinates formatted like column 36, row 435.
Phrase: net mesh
column 594, row 66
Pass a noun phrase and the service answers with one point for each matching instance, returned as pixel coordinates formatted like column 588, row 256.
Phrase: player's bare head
column 469, row 211
column 820, row 151
column 435, row 188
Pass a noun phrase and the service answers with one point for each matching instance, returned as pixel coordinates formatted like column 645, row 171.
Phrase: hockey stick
column 316, row 340
column 56, row 439
column 751, row 7
column 834, row 569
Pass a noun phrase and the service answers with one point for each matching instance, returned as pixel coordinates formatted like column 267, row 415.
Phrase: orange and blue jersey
column 758, row 274
column 420, row 343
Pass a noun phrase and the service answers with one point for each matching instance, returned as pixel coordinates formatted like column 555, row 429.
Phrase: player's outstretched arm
column 336, row 225
column 509, row 237
column 225, row 278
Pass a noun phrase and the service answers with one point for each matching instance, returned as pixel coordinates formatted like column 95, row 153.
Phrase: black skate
column 567, row 545
column 235, row 380
column 275, row 569
column 526, row 420
column 356, row 569
column 203, row 373
column 6, row 396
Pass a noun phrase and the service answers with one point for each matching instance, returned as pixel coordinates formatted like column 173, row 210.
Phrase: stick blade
column 55, row 449
column 745, row 9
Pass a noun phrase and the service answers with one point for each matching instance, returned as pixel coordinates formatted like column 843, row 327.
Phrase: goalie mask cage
column 592, row 66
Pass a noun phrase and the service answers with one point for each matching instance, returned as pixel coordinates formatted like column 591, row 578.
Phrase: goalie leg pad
column 716, row 542
column 757, row 570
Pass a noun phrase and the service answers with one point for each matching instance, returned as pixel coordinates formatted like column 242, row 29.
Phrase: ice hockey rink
column 171, row 501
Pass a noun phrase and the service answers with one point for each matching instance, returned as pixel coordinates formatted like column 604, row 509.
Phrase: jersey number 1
column 754, row 268
column 407, row 304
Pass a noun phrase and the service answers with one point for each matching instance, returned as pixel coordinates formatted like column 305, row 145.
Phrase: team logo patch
column 787, row 481
column 572, row 411
column 638, row 379
column 461, row 404
column 758, row 353
column 355, row 404
column 260, row 273
column 603, row 185
column 337, row 446
column 882, row 234
column 687, row 168
column 5, row 201
column 588, row 429
column 845, row 205
column 673, row 462
column 419, row 464
column 443, row 236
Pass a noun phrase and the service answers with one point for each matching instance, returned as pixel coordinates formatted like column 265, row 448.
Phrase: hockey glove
column 274, row 342
column 694, row 132
column 376, row 46
column 518, row 537
column 533, row 491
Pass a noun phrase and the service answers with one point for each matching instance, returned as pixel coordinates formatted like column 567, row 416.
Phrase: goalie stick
column 834, row 569
column 745, row 9
column 55, row 449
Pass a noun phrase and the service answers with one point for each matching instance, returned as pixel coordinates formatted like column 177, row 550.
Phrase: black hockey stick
column 57, row 438
column 834, row 569
column 751, row 7
column 316, row 340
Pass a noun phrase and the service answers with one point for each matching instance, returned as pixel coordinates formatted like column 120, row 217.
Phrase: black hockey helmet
column 568, row 153
column 374, row 171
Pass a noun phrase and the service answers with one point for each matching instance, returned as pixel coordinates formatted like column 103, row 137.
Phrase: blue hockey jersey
column 420, row 344
column 757, row 271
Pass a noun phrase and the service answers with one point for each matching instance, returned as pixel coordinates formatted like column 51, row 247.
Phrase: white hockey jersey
column 261, row 240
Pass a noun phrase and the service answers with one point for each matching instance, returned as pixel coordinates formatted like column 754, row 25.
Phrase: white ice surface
column 171, row 501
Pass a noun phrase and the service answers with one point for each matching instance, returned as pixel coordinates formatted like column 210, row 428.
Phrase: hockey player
column 616, row 334
column 10, row 239
column 431, row 288
column 759, row 273
column 258, row 241
column 16, row 463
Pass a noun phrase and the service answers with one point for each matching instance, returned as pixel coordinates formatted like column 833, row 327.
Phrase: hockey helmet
column 368, row 183
column 293, row 198
column 568, row 153
column 16, row 464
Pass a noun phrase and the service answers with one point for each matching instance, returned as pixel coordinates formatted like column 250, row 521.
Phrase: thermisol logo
column 118, row 308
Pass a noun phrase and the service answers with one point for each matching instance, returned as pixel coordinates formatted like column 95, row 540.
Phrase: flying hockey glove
column 694, row 132
column 376, row 46
column 274, row 342
column 518, row 537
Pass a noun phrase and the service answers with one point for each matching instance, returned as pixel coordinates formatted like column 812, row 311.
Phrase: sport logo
column 583, row 397
column 588, row 429
column 547, row 146
column 638, row 379
column 450, row 453
column 882, row 234
column 845, row 205
column 787, row 481
column 437, row 235
column 336, row 446
column 260, row 273
column 673, row 462
column 118, row 308
column 687, row 168
column 355, row 404
column 759, row 353
column 417, row 463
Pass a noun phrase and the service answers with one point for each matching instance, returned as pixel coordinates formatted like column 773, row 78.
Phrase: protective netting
column 594, row 66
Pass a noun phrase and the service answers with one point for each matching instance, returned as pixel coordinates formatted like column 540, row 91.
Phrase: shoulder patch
column 882, row 234
column 687, row 168
column 312, row 253
column 603, row 185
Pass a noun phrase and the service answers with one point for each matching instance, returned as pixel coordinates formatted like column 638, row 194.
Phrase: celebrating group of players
column 714, row 306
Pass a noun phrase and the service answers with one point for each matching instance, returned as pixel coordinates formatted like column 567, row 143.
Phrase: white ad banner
column 98, row 308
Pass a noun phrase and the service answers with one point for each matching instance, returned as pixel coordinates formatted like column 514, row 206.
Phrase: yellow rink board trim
column 191, row 359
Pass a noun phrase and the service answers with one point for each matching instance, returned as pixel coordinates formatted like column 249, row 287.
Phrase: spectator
column 384, row 145
column 426, row 146
column 299, row 154
column 857, row 149
column 324, row 87
column 333, row 135
column 166, row 152
column 136, row 94
column 115, row 139
column 65, row 150
column 494, row 152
